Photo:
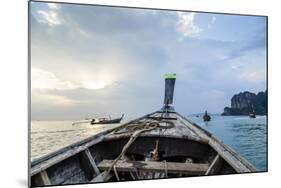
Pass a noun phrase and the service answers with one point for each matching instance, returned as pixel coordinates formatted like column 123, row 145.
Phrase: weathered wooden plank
column 70, row 171
column 166, row 134
column 171, row 167
column 45, row 178
column 181, row 129
column 215, row 166
column 237, row 162
column 65, row 155
column 85, row 165
column 196, row 130
column 101, row 177
column 92, row 161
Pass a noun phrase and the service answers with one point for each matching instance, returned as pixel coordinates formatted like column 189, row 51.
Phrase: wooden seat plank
column 160, row 166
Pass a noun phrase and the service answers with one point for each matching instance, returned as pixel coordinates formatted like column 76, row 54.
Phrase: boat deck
column 182, row 128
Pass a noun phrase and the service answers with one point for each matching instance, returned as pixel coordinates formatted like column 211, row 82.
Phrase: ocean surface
column 246, row 136
column 49, row 136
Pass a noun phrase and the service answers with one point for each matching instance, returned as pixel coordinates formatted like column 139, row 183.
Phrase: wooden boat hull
column 207, row 118
column 252, row 115
column 108, row 121
column 183, row 150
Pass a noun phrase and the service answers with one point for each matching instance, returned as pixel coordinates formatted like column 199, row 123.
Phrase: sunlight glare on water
column 49, row 136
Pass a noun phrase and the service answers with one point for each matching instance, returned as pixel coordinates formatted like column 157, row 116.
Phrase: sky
column 94, row 61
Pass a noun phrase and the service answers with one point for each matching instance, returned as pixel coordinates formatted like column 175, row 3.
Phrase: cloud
column 235, row 67
column 54, row 6
column 42, row 79
column 105, row 60
column 43, row 97
column 49, row 17
column 186, row 26
column 53, row 15
column 255, row 76
column 51, row 106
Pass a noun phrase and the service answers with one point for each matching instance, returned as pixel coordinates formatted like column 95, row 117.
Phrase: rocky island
column 244, row 103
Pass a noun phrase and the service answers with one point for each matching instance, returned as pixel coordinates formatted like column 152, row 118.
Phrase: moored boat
column 162, row 144
column 206, row 116
column 253, row 113
column 106, row 120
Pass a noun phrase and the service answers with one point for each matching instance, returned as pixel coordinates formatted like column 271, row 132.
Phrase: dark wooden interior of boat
column 177, row 158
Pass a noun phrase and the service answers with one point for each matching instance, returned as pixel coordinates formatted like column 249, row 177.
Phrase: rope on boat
column 140, row 128
column 144, row 125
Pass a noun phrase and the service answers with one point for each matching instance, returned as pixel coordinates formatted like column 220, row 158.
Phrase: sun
column 94, row 84
column 99, row 80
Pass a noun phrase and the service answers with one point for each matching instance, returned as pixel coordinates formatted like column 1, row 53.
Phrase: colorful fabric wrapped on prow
column 170, row 76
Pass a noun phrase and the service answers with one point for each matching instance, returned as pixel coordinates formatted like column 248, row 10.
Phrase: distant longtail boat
column 106, row 120
column 206, row 116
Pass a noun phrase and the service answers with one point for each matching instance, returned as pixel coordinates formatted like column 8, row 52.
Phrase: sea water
column 245, row 135
column 49, row 136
